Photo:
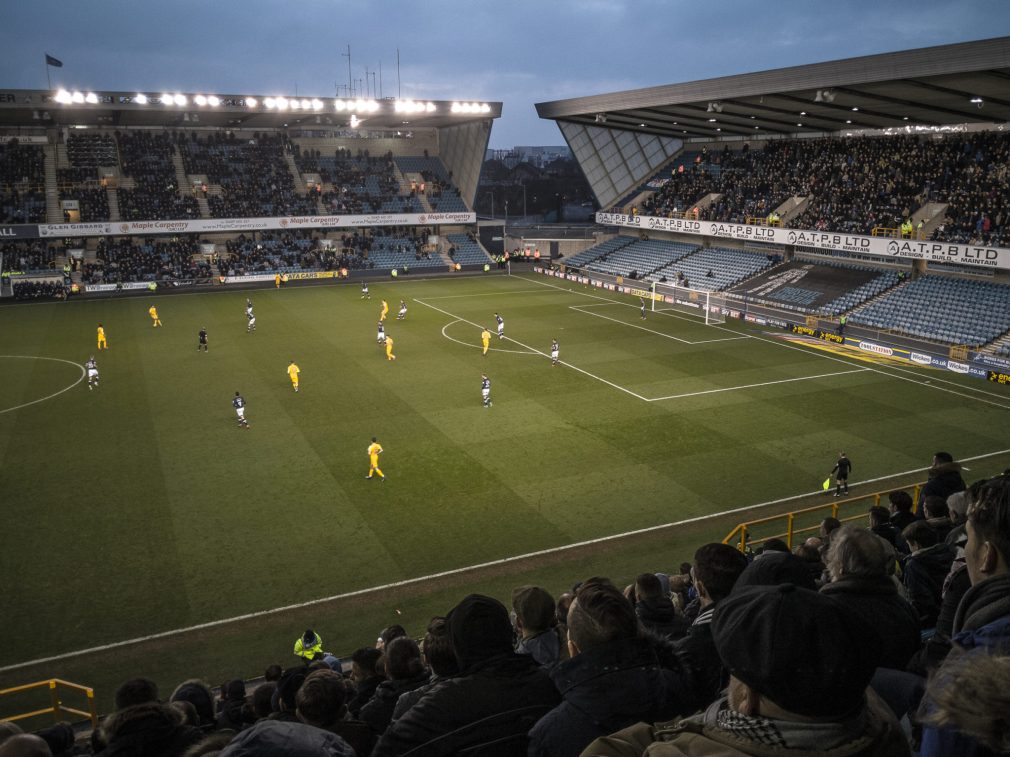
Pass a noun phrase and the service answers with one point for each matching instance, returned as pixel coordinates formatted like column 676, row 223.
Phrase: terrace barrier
column 56, row 706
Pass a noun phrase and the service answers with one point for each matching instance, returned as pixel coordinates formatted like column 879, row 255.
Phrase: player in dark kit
column 843, row 466
column 239, row 404
column 643, row 307
column 485, row 389
column 202, row 344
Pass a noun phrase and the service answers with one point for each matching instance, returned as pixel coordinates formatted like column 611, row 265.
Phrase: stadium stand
column 641, row 257
column 146, row 160
column 22, row 182
column 713, row 268
column 439, row 190
column 582, row 259
column 466, row 251
column 152, row 259
column 942, row 309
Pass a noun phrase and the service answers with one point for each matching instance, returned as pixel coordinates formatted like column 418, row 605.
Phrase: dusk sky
column 519, row 52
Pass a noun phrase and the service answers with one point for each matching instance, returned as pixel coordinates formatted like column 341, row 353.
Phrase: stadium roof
column 949, row 84
column 39, row 108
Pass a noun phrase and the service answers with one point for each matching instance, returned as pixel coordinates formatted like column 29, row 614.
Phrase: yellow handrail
column 740, row 535
column 57, row 708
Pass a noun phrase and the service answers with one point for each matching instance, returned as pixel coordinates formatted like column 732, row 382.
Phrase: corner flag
column 827, row 483
column 54, row 62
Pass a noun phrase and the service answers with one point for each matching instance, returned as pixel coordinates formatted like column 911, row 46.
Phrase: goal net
column 709, row 307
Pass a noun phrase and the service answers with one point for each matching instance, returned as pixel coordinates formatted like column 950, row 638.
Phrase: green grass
column 141, row 507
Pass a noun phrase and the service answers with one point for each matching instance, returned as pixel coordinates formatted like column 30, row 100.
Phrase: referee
column 843, row 466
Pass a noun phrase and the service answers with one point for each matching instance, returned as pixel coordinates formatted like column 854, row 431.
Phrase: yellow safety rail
column 56, row 707
column 742, row 534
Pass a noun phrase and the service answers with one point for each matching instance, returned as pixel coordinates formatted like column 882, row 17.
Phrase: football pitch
column 142, row 507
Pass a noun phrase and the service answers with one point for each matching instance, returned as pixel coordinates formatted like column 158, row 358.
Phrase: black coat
column 890, row 614
column 924, row 573
column 697, row 651
column 363, row 692
column 661, row 617
column 499, row 684
column 378, row 711
column 944, row 480
column 605, row 689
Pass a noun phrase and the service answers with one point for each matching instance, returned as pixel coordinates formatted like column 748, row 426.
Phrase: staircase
column 876, row 297
column 112, row 195
column 204, row 206
column 300, row 187
column 998, row 344
column 932, row 214
column 54, row 213
column 182, row 182
column 792, row 208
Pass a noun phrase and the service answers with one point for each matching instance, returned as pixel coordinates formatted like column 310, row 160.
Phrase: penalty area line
column 451, row 572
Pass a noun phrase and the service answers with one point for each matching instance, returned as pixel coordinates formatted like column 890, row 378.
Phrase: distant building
column 536, row 156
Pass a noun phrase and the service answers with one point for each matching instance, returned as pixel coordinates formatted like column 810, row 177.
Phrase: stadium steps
column 932, row 214
column 182, row 182
column 54, row 214
column 998, row 346
column 201, row 202
column 794, row 207
column 112, row 195
column 300, row 186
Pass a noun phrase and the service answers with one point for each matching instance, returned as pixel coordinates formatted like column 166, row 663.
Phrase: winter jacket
column 981, row 627
column 547, row 648
column 280, row 739
column 878, row 601
column 661, row 617
column 378, row 711
column 697, row 651
column 604, row 689
column 499, row 684
column 943, row 480
column 701, row 736
column 923, row 577
column 364, row 691
column 149, row 729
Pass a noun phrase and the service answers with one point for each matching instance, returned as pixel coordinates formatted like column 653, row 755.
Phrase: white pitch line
column 477, row 346
column 451, row 572
column 811, row 353
column 754, row 386
column 538, row 352
column 632, row 325
column 54, row 394
column 487, row 294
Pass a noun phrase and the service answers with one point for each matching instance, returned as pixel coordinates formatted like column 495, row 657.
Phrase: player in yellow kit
column 389, row 348
column 485, row 338
column 154, row 316
column 102, row 344
column 293, row 371
column 374, row 450
column 385, row 309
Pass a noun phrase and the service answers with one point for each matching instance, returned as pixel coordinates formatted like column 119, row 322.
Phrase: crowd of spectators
column 22, row 183
column 39, row 289
column 91, row 149
column 28, row 255
column 832, row 648
column 252, row 173
column 146, row 157
column 92, row 202
column 121, row 259
column 854, row 184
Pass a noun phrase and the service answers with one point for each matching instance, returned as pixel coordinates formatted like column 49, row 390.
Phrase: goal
column 709, row 307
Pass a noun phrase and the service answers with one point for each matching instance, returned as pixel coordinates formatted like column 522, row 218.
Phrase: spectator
column 200, row 696
column 309, row 645
column 149, row 729
column 539, row 635
column 273, row 673
column 232, row 710
column 284, row 701
column 858, row 565
column 262, row 699
column 938, row 516
column 881, row 525
column 901, row 509
column 564, row 603
column 321, row 702
column 25, row 745
column 269, row 737
column 773, row 568
column 404, row 672
column 493, row 680
column 981, row 636
column 799, row 668
column 389, row 633
column 612, row 680
column 440, row 660
column 944, row 478
column 365, row 677
column 716, row 570
column 655, row 610
column 924, row 571
column 136, row 691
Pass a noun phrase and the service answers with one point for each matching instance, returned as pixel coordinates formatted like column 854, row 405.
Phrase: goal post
column 709, row 307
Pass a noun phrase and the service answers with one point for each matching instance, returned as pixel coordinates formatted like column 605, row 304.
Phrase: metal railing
column 56, row 707
column 795, row 521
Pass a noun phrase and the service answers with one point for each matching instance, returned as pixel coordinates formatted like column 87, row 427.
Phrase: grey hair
column 856, row 552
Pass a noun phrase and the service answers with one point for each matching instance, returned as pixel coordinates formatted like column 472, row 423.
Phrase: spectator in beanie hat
column 799, row 666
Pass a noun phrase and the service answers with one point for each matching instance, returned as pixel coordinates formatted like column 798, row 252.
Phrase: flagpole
column 48, row 80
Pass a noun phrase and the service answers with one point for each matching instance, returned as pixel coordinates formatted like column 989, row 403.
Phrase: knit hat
column 199, row 695
column 772, row 568
column 802, row 650
column 479, row 628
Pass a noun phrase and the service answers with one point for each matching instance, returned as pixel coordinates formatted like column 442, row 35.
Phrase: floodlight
column 354, row 121
column 317, row 104
column 166, row 99
column 295, row 104
column 213, row 101
column 270, row 102
column 200, row 100
column 430, row 107
column 306, row 104
column 485, row 108
column 91, row 97
column 63, row 97
column 77, row 97
column 281, row 103
column 140, row 99
column 372, row 106
column 180, row 99
column 455, row 108
column 251, row 102
column 339, row 105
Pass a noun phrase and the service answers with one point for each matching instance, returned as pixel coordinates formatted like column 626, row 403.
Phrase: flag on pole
column 54, row 62
column 827, row 483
